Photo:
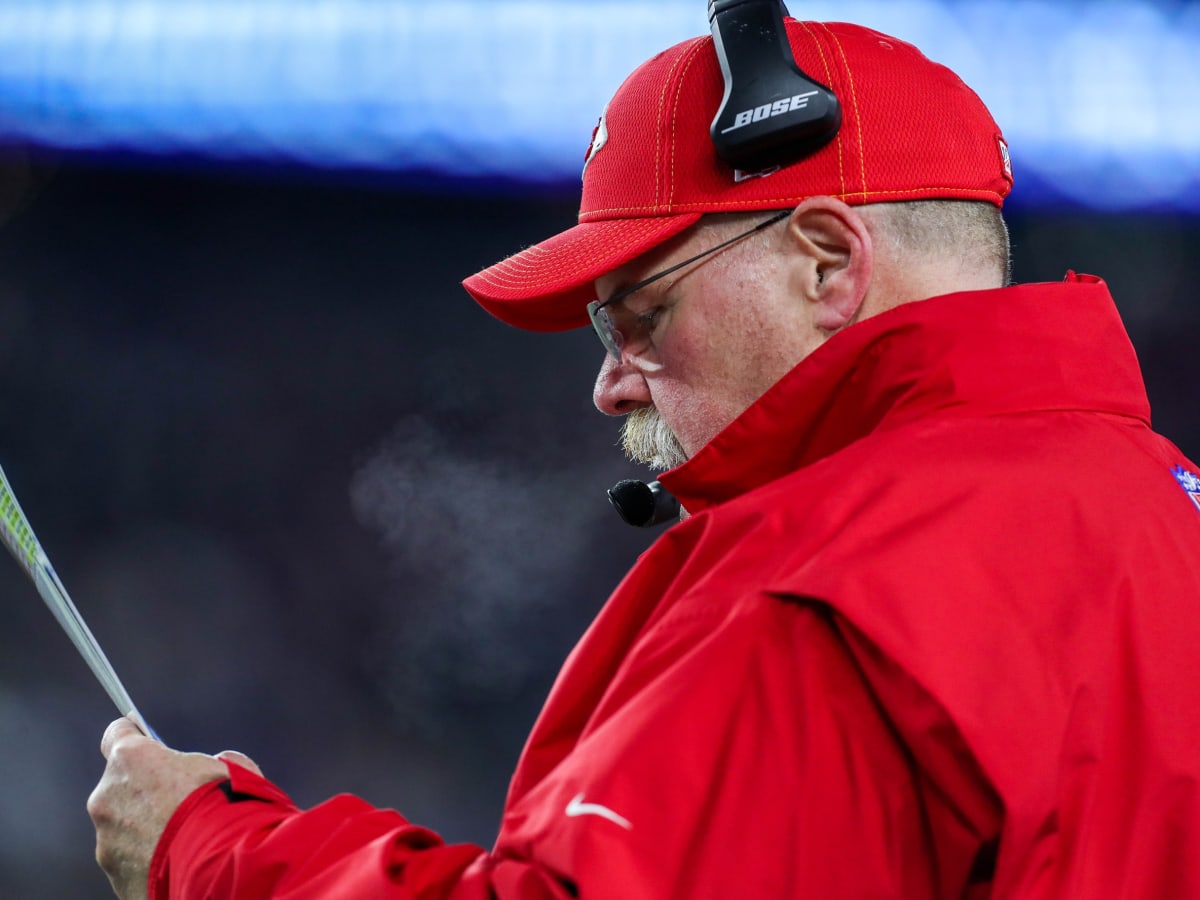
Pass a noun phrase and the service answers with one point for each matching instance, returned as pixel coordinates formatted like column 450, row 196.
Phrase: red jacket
column 930, row 630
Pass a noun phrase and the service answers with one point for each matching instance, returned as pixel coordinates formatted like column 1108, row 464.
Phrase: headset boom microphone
column 641, row 504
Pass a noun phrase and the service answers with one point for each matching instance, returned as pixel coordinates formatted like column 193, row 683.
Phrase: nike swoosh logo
column 578, row 808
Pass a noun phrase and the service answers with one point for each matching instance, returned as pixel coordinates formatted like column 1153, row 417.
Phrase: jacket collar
column 1018, row 349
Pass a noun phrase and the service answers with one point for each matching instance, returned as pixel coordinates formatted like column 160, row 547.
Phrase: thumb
column 240, row 759
column 120, row 730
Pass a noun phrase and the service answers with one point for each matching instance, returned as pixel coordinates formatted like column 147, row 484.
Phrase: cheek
column 695, row 416
column 695, row 404
column 708, row 372
column 720, row 355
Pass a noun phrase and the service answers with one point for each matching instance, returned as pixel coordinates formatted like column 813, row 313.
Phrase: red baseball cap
column 911, row 130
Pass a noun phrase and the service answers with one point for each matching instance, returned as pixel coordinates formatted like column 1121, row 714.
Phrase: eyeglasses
column 621, row 328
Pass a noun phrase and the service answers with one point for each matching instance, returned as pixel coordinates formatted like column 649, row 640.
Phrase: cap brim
column 547, row 287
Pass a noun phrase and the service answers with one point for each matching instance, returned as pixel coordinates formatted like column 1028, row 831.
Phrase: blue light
column 1097, row 100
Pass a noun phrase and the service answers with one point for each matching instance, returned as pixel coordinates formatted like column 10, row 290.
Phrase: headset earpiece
column 772, row 114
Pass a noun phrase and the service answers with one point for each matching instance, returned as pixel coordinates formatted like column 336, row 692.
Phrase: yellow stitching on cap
column 691, row 58
column 829, row 80
column 858, row 118
column 953, row 192
column 657, row 122
column 535, row 264
column 862, row 155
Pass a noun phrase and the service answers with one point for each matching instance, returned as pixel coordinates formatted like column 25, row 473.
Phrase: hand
column 143, row 784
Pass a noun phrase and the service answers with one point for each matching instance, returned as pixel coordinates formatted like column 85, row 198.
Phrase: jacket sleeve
column 244, row 839
column 736, row 753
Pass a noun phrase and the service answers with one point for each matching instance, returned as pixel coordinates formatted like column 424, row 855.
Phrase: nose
column 620, row 388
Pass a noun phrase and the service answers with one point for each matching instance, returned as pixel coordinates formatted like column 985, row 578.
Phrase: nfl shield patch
column 1189, row 482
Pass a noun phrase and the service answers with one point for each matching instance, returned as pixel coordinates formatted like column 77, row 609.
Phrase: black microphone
column 643, row 505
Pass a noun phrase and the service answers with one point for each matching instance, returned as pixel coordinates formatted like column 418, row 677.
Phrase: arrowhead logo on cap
column 1005, row 158
column 599, row 139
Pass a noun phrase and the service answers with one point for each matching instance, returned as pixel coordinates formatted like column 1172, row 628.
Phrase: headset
column 771, row 115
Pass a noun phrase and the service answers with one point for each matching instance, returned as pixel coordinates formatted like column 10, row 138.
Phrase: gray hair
column 963, row 234
column 968, row 233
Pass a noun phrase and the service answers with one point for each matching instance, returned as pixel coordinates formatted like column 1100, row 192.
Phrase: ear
column 832, row 258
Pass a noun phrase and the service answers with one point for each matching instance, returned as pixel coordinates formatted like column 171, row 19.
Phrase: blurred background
column 313, row 502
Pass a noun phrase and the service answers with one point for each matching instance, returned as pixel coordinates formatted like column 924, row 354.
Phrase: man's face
column 721, row 332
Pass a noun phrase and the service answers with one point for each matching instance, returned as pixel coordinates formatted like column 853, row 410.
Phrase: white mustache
column 648, row 439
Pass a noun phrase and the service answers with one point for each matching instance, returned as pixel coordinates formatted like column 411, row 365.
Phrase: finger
column 119, row 730
column 240, row 759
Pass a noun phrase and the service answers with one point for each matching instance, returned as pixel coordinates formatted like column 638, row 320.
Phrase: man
column 927, row 627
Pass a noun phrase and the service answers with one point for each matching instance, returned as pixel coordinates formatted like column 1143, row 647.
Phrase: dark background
column 314, row 503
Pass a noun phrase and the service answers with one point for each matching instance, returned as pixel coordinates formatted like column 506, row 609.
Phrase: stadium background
column 314, row 503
